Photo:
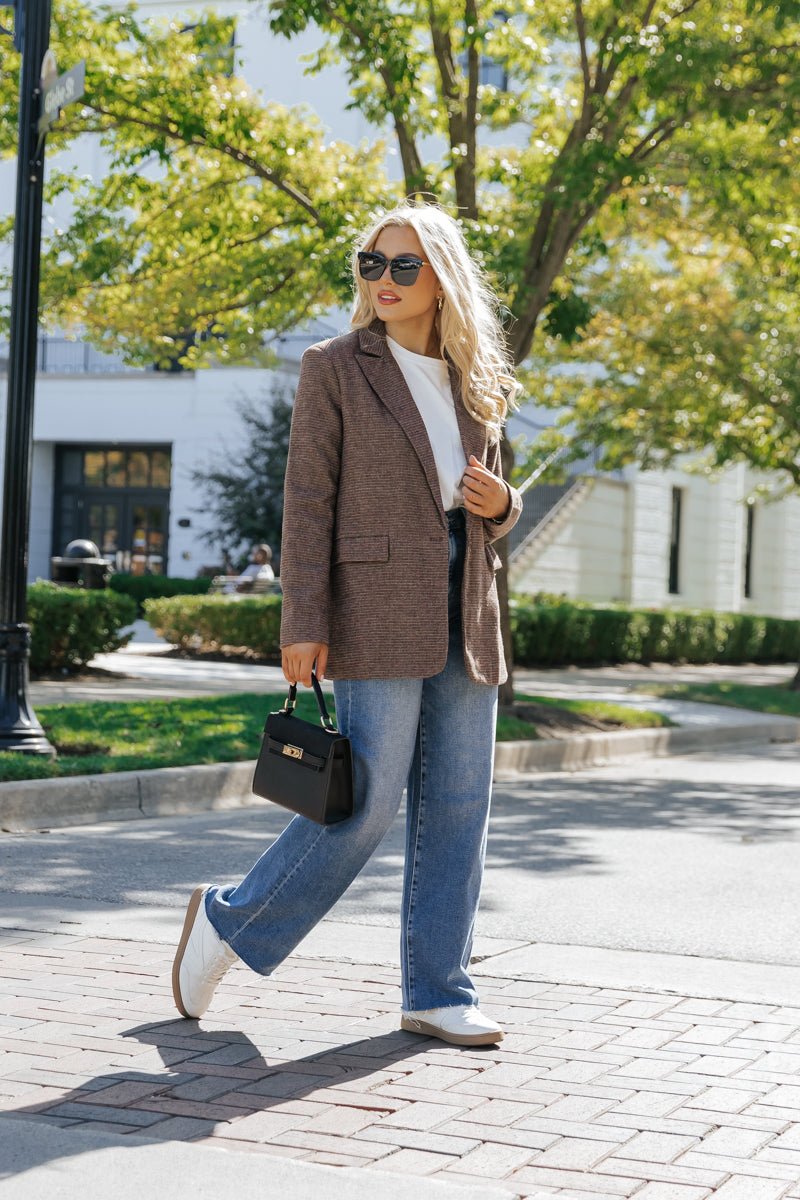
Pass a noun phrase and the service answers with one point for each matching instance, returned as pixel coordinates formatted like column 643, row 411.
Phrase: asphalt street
column 693, row 856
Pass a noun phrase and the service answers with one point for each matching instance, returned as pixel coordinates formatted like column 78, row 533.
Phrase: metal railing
column 59, row 355
column 540, row 499
column 72, row 356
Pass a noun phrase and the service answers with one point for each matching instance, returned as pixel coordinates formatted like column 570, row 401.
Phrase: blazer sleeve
column 493, row 529
column 309, row 501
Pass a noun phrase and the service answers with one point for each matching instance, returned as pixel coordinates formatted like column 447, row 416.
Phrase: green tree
column 593, row 111
column 245, row 495
column 696, row 340
column 220, row 220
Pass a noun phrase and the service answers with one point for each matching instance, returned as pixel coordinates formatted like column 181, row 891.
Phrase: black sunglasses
column 404, row 269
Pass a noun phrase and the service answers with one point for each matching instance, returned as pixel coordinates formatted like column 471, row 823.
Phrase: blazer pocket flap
column 495, row 561
column 372, row 547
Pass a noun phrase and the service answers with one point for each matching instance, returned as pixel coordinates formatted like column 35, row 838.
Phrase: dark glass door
column 118, row 497
column 148, row 535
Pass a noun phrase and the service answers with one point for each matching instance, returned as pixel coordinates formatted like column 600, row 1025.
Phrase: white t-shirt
column 428, row 381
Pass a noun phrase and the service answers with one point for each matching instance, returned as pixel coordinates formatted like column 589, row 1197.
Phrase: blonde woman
column 393, row 497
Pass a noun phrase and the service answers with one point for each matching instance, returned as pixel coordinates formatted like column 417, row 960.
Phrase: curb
column 125, row 795
column 37, row 804
column 599, row 749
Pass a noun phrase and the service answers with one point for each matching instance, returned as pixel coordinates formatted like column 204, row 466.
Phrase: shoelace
column 222, row 967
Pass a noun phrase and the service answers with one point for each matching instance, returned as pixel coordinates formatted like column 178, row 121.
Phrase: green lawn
column 510, row 729
column 739, row 695
column 98, row 737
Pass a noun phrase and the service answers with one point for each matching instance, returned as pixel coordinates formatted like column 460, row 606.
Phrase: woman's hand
column 485, row 494
column 297, row 661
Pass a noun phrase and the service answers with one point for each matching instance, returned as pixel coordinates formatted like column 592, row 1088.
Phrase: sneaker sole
column 455, row 1039
column 188, row 922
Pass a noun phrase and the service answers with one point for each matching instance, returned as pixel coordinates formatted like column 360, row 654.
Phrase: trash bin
column 81, row 566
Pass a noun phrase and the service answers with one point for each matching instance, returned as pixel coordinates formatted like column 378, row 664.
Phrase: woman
column 393, row 496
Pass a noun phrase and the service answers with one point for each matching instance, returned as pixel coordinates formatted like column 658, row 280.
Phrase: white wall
column 615, row 546
column 41, row 527
column 776, row 555
column 711, row 573
column 195, row 414
column 586, row 557
column 648, row 538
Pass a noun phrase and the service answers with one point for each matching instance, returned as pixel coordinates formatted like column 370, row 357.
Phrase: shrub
column 151, row 587
column 219, row 623
column 555, row 632
column 564, row 633
column 70, row 625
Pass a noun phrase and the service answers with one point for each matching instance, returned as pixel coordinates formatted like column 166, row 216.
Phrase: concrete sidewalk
column 301, row 1084
column 142, row 670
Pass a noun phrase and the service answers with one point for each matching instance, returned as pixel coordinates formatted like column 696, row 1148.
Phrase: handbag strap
column 324, row 716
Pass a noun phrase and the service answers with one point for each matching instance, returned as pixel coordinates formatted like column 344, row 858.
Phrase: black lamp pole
column 19, row 727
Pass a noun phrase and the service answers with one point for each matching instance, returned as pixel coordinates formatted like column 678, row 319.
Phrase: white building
column 669, row 538
column 114, row 448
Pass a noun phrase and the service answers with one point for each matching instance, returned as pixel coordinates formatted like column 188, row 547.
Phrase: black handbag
column 304, row 767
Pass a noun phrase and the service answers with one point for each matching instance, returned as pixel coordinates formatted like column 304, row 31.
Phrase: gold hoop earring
column 441, row 302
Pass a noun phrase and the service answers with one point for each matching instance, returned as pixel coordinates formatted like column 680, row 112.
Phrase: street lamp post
column 19, row 727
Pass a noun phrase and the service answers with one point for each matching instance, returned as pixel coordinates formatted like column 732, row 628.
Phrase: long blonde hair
column 469, row 330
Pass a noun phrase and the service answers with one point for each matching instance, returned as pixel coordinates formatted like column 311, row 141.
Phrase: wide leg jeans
column 434, row 736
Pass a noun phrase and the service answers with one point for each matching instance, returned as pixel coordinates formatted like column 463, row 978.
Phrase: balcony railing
column 70, row 356
column 539, row 499
column 58, row 355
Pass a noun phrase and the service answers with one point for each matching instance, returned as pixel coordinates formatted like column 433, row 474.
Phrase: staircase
column 546, row 509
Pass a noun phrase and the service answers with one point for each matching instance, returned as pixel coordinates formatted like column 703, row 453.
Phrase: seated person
column 258, row 568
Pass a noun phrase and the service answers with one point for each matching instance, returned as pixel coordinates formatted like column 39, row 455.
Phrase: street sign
column 59, row 90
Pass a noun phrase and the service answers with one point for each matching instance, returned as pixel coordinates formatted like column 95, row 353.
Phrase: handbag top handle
column 324, row 717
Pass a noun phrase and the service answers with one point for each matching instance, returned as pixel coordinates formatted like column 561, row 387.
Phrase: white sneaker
column 202, row 958
column 462, row 1024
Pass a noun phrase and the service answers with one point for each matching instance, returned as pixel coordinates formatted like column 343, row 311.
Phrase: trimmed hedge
column 70, row 625
column 547, row 632
column 567, row 633
column 151, row 587
column 219, row 623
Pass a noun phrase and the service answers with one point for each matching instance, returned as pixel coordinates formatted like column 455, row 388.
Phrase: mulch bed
column 553, row 722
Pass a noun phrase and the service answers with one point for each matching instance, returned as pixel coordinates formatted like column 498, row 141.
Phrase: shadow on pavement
column 219, row 1072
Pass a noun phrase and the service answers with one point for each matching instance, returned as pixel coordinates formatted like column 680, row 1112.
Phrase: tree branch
column 243, row 301
column 258, row 169
column 413, row 171
column 605, row 75
column 460, row 132
column 580, row 25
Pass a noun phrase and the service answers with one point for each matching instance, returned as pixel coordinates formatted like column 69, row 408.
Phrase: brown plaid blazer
column 365, row 547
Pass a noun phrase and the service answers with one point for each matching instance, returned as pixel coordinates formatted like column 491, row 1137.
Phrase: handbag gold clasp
column 293, row 751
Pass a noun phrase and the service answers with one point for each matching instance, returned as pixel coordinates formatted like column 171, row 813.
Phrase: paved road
column 691, row 856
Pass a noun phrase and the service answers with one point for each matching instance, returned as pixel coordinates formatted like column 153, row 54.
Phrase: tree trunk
column 506, row 693
column 794, row 686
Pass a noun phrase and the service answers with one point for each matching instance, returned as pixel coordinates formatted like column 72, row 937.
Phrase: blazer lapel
column 388, row 382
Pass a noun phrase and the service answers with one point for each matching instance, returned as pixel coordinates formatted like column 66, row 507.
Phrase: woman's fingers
column 297, row 661
column 483, row 492
column 322, row 663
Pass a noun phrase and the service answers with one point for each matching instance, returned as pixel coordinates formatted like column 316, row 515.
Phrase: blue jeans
column 435, row 736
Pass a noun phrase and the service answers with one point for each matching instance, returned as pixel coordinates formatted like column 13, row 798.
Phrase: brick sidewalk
column 594, row 1093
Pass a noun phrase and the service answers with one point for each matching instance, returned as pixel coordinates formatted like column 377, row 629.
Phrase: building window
column 748, row 551
column 118, row 498
column 675, row 542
